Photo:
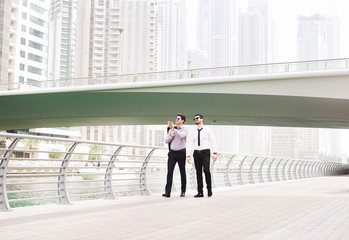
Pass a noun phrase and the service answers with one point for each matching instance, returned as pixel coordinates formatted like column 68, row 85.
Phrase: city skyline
column 104, row 39
column 285, row 14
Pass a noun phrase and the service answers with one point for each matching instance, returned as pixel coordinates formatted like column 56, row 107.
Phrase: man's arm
column 181, row 134
column 169, row 137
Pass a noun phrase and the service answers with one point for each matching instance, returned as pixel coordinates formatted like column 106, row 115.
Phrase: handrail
column 113, row 169
column 278, row 67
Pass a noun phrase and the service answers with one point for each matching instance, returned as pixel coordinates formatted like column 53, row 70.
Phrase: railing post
column 290, row 170
column 287, row 67
column 240, row 181
column 277, row 170
column 4, row 204
column 232, row 70
column 299, row 175
column 143, row 175
column 108, row 178
column 181, row 73
column 313, row 169
column 295, row 170
column 260, row 173
column 269, row 170
column 318, row 169
column 306, row 167
column 322, row 169
column 250, row 175
column 226, row 172
column 62, row 178
column 284, row 170
column 135, row 78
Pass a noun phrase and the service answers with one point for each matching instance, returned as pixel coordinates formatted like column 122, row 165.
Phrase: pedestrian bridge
column 295, row 94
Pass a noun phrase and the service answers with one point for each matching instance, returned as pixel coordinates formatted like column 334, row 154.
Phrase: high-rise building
column 202, row 26
column 332, row 29
column 98, row 47
column 172, row 34
column 311, row 37
column 222, row 25
column 99, row 38
column 24, row 41
column 308, row 143
column 8, row 29
column 282, row 142
column 122, row 38
column 62, row 39
column 139, row 45
column 252, row 140
column 318, row 38
column 256, row 41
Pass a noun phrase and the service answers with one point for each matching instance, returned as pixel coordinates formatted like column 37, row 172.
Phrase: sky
column 285, row 14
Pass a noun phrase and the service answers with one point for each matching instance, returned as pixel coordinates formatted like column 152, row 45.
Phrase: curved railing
column 281, row 67
column 40, row 170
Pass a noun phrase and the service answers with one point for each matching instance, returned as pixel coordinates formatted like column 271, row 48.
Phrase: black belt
column 182, row 150
column 202, row 151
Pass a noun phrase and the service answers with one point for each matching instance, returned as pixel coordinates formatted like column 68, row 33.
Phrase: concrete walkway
column 305, row 209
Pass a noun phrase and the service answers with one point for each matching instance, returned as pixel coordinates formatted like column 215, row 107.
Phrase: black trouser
column 173, row 158
column 202, row 161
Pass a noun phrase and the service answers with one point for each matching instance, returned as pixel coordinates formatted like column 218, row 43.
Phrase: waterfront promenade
column 311, row 209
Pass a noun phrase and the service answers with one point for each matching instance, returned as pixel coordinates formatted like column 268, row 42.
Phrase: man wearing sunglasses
column 202, row 142
column 177, row 138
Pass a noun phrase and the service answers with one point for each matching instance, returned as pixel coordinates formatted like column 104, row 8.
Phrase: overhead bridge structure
column 298, row 94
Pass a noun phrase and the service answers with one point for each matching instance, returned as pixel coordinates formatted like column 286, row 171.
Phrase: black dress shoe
column 182, row 194
column 199, row 195
column 209, row 192
column 166, row 195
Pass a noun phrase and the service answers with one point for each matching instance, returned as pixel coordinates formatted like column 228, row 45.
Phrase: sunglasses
column 197, row 118
column 178, row 118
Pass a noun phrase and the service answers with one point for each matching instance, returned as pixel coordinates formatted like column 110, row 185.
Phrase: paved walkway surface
column 304, row 209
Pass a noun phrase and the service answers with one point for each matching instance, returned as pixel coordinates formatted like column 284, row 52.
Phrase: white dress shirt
column 207, row 140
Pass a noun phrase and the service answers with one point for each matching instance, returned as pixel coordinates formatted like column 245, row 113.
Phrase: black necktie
column 199, row 136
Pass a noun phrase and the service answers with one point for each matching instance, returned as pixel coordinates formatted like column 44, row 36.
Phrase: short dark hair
column 199, row 116
column 182, row 117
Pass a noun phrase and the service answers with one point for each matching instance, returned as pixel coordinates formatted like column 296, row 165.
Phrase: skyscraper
column 311, row 37
column 202, row 26
column 118, row 37
column 8, row 29
column 139, row 45
column 332, row 29
column 222, row 24
column 24, row 41
column 62, row 39
column 256, row 41
column 318, row 38
column 172, row 38
column 99, row 38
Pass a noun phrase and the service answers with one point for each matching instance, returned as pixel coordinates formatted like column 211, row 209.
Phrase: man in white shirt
column 202, row 142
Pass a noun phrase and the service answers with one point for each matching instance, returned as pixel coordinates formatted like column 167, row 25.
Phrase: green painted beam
column 156, row 106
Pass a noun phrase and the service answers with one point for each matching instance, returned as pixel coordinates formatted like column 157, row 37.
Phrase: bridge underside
column 113, row 107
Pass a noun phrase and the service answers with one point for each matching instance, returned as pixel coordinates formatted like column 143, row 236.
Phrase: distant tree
column 96, row 149
column 55, row 154
column 31, row 143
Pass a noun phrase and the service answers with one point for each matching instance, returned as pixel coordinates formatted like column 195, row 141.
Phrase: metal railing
column 281, row 67
column 41, row 170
